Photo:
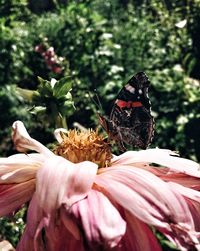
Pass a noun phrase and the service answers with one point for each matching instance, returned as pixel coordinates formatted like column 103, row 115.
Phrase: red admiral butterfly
column 130, row 120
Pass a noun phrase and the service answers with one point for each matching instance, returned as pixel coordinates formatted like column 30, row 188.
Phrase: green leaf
column 37, row 109
column 45, row 88
column 26, row 94
column 62, row 87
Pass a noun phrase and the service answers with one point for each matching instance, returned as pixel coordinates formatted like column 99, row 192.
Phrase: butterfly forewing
column 130, row 121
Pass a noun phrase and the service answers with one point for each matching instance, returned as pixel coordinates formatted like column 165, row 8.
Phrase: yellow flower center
column 78, row 146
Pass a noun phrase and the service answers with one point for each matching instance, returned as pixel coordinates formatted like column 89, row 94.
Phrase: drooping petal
column 23, row 141
column 138, row 236
column 29, row 239
column 168, row 175
column 192, row 198
column 69, row 223
column 46, row 232
column 144, row 190
column 65, row 241
column 159, row 156
column 186, row 238
column 25, row 243
column 51, row 234
column 195, row 209
column 57, row 134
column 13, row 196
column 185, row 191
column 19, row 168
column 60, row 181
column 100, row 222
column 149, row 199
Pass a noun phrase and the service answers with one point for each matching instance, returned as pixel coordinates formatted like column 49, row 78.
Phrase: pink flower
column 40, row 48
column 84, row 206
column 57, row 69
column 53, row 62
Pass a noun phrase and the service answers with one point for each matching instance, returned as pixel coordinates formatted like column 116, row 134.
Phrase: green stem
column 61, row 122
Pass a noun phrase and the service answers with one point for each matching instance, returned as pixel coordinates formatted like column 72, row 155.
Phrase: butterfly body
column 130, row 121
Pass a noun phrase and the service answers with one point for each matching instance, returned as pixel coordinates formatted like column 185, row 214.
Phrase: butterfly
column 130, row 121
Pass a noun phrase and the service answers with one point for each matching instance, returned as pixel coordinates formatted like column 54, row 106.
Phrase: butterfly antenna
column 98, row 100
column 97, row 103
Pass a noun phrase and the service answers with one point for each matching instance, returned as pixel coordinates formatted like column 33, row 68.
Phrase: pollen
column 78, row 146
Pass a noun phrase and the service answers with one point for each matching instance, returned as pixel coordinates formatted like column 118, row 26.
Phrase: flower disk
column 77, row 146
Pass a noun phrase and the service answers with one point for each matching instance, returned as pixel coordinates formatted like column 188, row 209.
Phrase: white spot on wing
column 130, row 88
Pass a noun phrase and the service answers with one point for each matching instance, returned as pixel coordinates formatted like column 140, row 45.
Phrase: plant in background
column 53, row 62
column 51, row 98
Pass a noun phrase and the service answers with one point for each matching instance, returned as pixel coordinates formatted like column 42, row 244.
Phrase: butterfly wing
column 112, row 131
column 131, row 115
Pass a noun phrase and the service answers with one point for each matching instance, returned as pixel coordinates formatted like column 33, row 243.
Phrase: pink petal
column 23, row 141
column 69, row 223
column 138, row 237
column 57, row 134
column 153, row 199
column 46, row 232
column 100, row 221
column 165, row 174
column 25, row 243
column 28, row 240
column 194, row 209
column 13, row 196
column 192, row 199
column 181, row 178
column 185, row 191
column 64, row 241
column 18, row 168
column 182, row 236
column 161, row 157
column 61, row 181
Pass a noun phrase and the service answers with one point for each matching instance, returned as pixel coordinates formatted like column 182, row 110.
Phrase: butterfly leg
column 119, row 141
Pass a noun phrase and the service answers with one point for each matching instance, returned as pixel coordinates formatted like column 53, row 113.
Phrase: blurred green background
column 101, row 44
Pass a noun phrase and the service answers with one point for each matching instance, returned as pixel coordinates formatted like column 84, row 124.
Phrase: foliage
column 12, row 108
column 52, row 97
column 12, row 227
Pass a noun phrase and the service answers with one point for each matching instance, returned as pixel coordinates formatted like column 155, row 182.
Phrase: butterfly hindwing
column 130, row 121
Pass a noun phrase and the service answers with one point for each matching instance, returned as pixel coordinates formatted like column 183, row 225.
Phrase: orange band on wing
column 129, row 104
column 136, row 104
column 122, row 103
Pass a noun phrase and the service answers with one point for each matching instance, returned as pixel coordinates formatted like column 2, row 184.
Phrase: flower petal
column 69, row 223
column 138, row 236
column 23, row 141
column 185, row 191
column 60, row 181
column 192, row 198
column 6, row 246
column 160, row 156
column 102, row 225
column 19, row 168
column 58, row 132
column 28, row 240
column 149, row 199
column 13, row 196
column 46, row 232
column 168, row 175
column 145, row 191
